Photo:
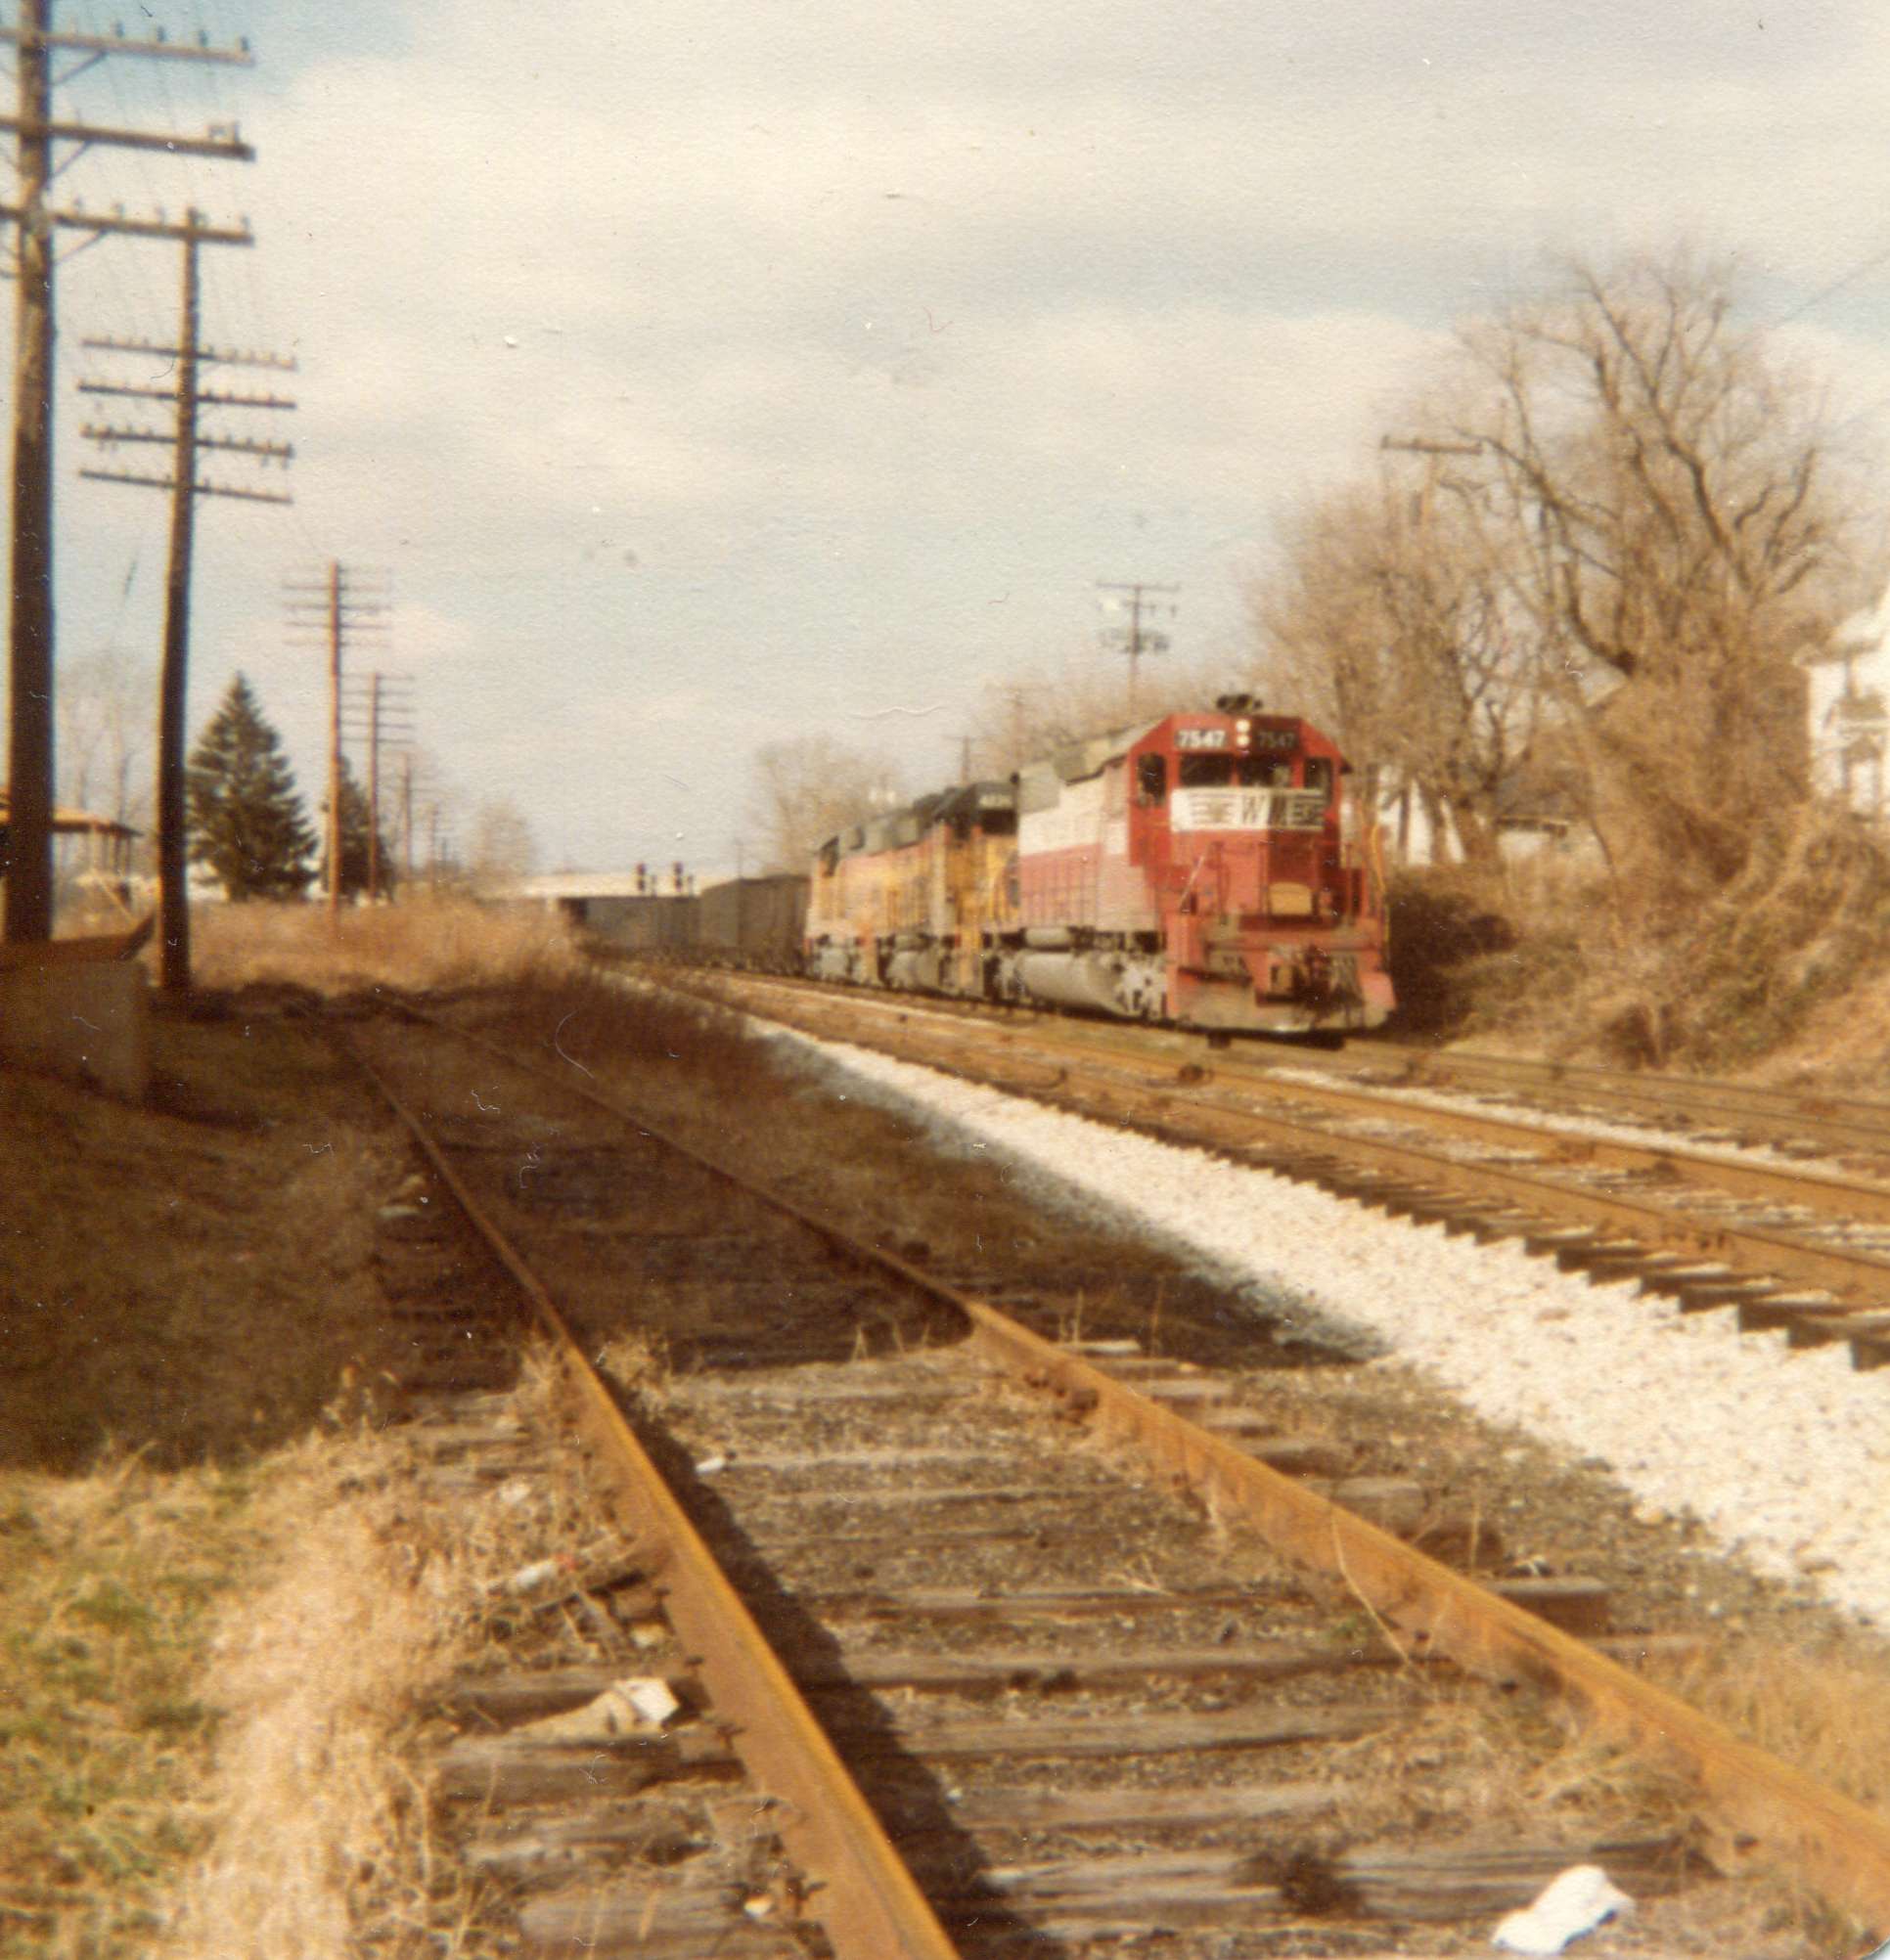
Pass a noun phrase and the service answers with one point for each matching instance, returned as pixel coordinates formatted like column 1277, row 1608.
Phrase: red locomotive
column 1208, row 868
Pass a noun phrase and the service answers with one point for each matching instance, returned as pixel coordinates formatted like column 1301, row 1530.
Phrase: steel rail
column 1850, row 1122
column 863, row 1895
column 1851, row 1198
column 1864, row 1118
column 1841, row 1844
column 1860, row 1278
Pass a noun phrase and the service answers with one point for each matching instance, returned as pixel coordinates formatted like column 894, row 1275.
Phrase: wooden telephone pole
column 185, row 487
column 1136, row 640
column 29, row 914
column 380, row 711
column 329, row 614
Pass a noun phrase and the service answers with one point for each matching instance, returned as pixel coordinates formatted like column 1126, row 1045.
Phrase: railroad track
column 965, row 1654
column 1802, row 1122
column 1785, row 1244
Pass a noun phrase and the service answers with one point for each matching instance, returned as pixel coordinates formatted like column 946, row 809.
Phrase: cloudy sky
column 699, row 375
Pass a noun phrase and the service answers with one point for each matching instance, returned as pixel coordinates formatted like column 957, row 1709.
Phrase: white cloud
column 702, row 373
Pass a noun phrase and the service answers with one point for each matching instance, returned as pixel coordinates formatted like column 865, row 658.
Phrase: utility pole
column 1014, row 694
column 28, row 915
column 1136, row 640
column 1418, row 445
column 407, row 817
column 330, row 614
column 185, row 487
column 380, row 711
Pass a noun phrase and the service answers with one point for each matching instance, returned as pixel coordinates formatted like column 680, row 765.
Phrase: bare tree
column 1685, row 541
column 808, row 787
column 500, row 849
column 107, row 709
column 1626, row 530
column 1020, row 720
column 1393, row 621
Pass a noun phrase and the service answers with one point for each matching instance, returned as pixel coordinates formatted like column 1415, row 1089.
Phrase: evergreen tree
column 354, row 840
column 246, row 822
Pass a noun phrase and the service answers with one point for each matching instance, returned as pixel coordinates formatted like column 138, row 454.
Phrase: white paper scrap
column 651, row 1698
column 1571, row 1904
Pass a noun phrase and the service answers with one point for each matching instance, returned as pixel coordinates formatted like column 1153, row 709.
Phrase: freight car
column 648, row 922
column 756, row 923
column 1210, row 869
column 751, row 923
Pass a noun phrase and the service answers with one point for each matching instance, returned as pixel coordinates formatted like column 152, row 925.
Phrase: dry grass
column 323, row 1847
column 421, row 945
column 197, row 1272
column 320, row 1840
column 205, row 1672
column 1823, row 1709
column 1784, row 961
column 1513, row 1767
column 108, row 1586
column 638, row 1364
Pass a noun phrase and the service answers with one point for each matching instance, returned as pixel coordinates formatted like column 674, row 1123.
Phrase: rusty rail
column 863, row 1895
column 1860, row 1278
column 1842, row 1122
column 1842, row 1846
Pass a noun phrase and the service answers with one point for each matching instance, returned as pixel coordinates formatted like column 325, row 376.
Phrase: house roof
column 75, row 823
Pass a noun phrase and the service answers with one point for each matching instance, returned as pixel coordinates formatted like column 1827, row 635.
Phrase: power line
column 1836, row 287
column 28, row 916
column 331, row 612
column 1133, row 640
column 185, row 487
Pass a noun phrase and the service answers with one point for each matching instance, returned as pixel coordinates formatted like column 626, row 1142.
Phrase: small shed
column 99, row 854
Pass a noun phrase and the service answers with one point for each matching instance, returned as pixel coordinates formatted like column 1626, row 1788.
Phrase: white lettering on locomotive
column 1247, row 809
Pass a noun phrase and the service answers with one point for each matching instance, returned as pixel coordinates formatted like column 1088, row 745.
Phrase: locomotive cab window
column 1151, row 777
column 1264, row 772
column 1205, row 771
column 1319, row 776
column 998, row 823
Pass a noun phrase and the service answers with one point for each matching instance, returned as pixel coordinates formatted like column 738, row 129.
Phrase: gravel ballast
column 1784, row 1457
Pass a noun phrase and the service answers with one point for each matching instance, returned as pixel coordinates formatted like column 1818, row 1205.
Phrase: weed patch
column 422, row 944
column 110, row 1587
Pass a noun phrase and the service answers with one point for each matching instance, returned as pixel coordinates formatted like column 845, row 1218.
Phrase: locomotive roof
column 905, row 825
column 966, row 799
column 1078, row 759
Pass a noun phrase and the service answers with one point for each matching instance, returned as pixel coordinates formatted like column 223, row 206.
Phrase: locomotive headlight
column 1243, row 732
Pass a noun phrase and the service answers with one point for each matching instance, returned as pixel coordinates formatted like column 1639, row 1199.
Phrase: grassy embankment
column 213, row 1607
column 1785, row 970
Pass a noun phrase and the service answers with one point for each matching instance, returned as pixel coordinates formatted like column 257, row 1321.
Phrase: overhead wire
column 1838, row 286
